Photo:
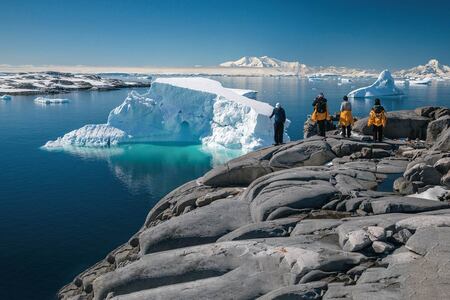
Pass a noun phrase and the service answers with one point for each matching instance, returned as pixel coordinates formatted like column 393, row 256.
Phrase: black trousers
column 322, row 124
column 346, row 131
column 377, row 133
column 278, row 128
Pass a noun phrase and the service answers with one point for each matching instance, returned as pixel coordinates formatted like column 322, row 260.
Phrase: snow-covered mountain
column 432, row 69
column 294, row 67
column 265, row 62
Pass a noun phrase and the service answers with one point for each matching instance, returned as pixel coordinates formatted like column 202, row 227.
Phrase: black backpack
column 321, row 106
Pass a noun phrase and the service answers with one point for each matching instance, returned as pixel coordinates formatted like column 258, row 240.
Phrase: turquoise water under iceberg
column 62, row 211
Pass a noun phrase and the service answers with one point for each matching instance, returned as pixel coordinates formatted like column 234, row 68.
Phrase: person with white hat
column 278, row 126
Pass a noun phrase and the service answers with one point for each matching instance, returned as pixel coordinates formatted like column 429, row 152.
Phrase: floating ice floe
column 401, row 82
column 43, row 100
column 346, row 80
column 425, row 81
column 6, row 97
column 181, row 109
column 383, row 86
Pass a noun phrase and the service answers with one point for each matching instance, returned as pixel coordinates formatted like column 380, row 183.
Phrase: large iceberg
column 181, row 109
column 383, row 86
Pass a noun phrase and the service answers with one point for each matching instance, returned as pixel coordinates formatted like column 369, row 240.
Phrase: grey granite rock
column 443, row 141
column 203, row 225
column 311, row 226
column 308, row 153
column 306, row 291
column 241, row 171
column 382, row 247
column 209, row 271
column 400, row 124
column 424, row 173
column 404, row 205
column 436, row 127
column 443, row 165
column 293, row 194
column 268, row 229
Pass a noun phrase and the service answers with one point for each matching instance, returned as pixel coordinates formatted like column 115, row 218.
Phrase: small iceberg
column 383, row 86
column 43, row 100
column 345, row 80
column 6, row 97
column 424, row 81
column 401, row 82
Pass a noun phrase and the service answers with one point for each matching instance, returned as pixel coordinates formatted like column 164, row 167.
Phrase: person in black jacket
column 279, row 117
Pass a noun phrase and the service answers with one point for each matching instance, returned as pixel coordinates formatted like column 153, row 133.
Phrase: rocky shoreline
column 310, row 219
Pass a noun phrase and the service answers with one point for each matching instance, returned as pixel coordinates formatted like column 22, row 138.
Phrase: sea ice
column 43, row 100
column 424, row 81
column 181, row 109
column 383, row 86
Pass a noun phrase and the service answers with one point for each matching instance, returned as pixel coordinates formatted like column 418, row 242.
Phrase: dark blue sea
column 60, row 212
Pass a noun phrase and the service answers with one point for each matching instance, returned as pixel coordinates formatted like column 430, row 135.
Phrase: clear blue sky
column 367, row 34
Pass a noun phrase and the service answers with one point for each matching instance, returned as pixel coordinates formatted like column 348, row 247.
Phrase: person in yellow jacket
column 377, row 119
column 320, row 114
column 346, row 117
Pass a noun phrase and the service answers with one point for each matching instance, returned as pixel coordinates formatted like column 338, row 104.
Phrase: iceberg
column 424, row 81
column 6, row 97
column 43, row 100
column 189, row 109
column 383, row 86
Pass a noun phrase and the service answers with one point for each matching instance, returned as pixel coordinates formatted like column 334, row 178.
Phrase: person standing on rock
column 377, row 119
column 278, row 126
column 345, row 117
column 320, row 114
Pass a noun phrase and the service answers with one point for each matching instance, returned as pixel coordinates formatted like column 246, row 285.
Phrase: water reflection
column 155, row 168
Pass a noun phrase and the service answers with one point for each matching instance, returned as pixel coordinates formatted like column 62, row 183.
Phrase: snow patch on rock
column 383, row 86
column 435, row 193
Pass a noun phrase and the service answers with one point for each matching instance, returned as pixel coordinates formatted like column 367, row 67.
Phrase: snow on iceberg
column 43, row 100
column 181, row 109
column 246, row 93
column 383, row 86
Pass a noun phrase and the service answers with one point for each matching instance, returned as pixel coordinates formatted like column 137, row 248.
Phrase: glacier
column 191, row 109
column 383, row 86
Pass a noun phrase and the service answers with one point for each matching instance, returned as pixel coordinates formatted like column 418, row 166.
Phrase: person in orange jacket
column 346, row 117
column 377, row 119
column 320, row 114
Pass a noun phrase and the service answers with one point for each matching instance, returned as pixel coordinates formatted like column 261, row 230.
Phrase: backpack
column 321, row 106
column 378, row 110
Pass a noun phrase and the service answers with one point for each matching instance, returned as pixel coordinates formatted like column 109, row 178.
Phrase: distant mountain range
column 263, row 62
column 433, row 69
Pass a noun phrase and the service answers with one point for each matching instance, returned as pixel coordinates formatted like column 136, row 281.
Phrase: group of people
column 377, row 118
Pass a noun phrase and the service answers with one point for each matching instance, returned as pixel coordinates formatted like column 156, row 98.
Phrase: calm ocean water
column 60, row 212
